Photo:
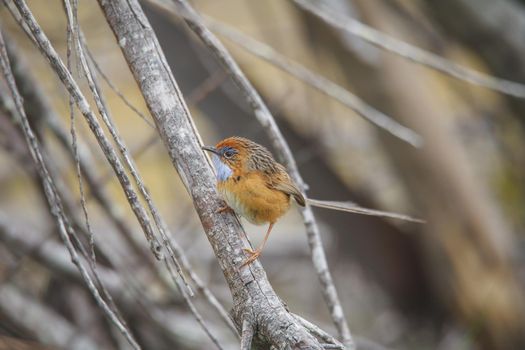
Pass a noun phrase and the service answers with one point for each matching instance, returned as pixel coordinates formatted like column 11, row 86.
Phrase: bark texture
column 253, row 296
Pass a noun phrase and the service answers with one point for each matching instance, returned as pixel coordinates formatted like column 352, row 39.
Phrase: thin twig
column 40, row 39
column 194, row 310
column 111, row 85
column 410, row 52
column 319, row 82
column 106, row 117
column 283, row 151
column 52, row 196
column 71, row 22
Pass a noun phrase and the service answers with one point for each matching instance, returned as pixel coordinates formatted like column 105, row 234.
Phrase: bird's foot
column 254, row 254
column 224, row 209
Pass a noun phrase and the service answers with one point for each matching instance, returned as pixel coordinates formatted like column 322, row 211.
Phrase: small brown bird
column 258, row 188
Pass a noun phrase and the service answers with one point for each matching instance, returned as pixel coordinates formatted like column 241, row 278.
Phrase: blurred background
column 455, row 282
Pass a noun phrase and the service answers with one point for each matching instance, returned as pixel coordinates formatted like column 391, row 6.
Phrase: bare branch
column 284, row 153
column 411, row 52
column 106, row 117
column 71, row 32
column 52, row 196
column 37, row 35
column 318, row 332
column 317, row 81
column 111, row 85
column 250, row 289
column 195, row 312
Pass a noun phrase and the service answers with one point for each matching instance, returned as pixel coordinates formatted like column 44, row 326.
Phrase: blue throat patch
column 223, row 170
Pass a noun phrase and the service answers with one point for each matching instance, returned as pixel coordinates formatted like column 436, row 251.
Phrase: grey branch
column 108, row 121
column 318, row 332
column 284, row 154
column 319, row 82
column 411, row 52
column 195, row 312
column 41, row 108
column 113, row 86
column 251, row 291
column 51, row 194
column 39, row 38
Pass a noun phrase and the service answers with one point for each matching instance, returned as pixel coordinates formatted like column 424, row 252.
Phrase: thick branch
column 251, row 291
column 284, row 153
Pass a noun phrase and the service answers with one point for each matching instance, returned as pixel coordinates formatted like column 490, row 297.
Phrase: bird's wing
column 292, row 190
column 281, row 181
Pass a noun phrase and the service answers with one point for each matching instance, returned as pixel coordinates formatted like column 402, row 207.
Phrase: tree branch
column 284, row 153
column 413, row 53
column 317, row 81
column 52, row 196
column 249, row 286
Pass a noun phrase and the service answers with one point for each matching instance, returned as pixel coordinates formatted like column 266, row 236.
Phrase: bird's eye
column 228, row 154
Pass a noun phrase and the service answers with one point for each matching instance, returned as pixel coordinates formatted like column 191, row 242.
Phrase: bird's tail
column 351, row 207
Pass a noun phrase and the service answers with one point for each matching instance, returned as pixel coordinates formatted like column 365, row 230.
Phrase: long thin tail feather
column 351, row 207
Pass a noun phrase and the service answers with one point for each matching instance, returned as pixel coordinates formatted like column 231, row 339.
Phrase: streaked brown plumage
column 253, row 184
column 258, row 188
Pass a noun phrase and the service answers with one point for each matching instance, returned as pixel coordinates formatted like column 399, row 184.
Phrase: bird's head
column 230, row 156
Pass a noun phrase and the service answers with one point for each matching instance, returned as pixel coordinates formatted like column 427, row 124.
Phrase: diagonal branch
column 251, row 291
column 106, row 117
column 319, row 82
column 39, row 38
column 53, row 198
column 412, row 53
column 284, row 153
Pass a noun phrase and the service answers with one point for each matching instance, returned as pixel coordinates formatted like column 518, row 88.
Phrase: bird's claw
column 224, row 209
column 254, row 254
column 249, row 251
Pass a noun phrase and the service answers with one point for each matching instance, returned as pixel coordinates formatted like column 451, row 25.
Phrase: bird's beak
column 210, row 149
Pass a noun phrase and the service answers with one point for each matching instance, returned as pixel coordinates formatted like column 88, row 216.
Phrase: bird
column 255, row 186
